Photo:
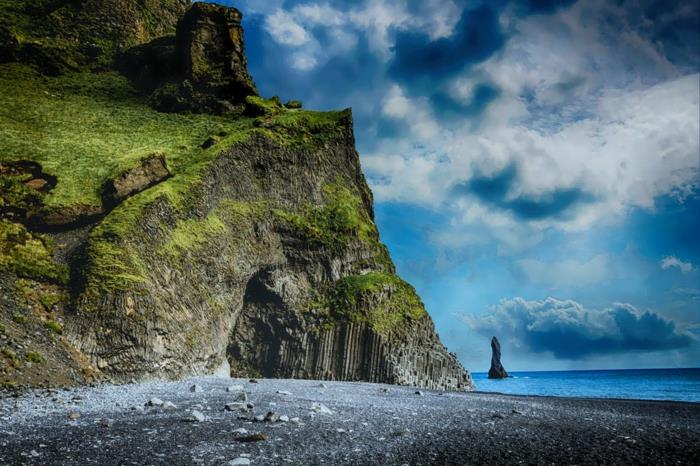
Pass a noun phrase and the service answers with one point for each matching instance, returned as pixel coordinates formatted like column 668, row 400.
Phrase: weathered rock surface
column 496, row 371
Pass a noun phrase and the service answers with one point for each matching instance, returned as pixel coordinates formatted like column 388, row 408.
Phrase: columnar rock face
column 496, row 371
column 249, row 243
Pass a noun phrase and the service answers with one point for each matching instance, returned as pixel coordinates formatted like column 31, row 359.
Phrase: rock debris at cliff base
column 302, row 422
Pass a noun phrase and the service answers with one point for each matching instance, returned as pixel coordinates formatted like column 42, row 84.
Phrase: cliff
column 159, row 219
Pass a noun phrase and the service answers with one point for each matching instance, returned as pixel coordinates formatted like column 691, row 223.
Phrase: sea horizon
column 658, row 384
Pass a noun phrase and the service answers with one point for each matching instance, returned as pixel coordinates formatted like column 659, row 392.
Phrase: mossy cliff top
column 152, row 204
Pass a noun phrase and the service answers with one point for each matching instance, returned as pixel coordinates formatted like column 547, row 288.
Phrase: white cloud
column 285, row 30
column 617, row 122
column 670, row 262
column 567, row 272
column 569, row 330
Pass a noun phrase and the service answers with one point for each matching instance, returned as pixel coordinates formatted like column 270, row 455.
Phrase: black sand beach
column 338, row 423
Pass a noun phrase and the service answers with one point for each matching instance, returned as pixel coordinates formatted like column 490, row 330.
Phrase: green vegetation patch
column 86, row 128
column 35, row 357
column 54, row 326
column 28, row 254
column 382, row 300
column 11, row 357
column 340, row 219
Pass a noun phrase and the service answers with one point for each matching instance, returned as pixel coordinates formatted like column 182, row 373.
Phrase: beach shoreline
column 359, row 423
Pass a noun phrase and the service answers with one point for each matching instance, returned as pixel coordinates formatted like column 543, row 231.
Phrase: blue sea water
column 646, row 384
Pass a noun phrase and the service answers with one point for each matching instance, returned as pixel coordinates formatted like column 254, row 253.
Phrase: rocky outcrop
column 151, row 170
column 255, row 248
column 496, row 371
column 203, row 69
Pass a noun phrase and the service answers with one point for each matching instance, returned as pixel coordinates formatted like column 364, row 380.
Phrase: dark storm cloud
column 495, row 190
column 567, row 330
column 422, row 63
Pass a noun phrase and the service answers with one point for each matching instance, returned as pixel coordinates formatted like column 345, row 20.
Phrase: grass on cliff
column 87, row 128
column 382, row 300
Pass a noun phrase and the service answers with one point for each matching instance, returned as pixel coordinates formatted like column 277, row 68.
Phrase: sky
column 535, row 164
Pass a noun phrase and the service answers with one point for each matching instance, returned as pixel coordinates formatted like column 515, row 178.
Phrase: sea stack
column 497, row 371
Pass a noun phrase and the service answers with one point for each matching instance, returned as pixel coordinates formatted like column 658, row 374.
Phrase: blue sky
column 535, row 164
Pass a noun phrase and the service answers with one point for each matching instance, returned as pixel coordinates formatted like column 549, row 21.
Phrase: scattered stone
column 284, row 418
column 259, row 418
column 341, row 431
column 515, row 411
column 283, row 392
column 253, row 381
column 419, row 393
column 320, row 408
column 498, row 416
column 235, row 388
column 154, row 402
column 384, row 390
column 240, row 431
column 169, row 405
column 238, row 407
column 106, row 423
column 322, row 385
column 240, row 461
column 195, row 416
column 196, row 388
column 259, row 437
column 295, row 420
column 272, row 417
column 73, row 416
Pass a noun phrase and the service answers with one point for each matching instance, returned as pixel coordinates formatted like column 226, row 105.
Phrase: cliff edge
column 159, row 219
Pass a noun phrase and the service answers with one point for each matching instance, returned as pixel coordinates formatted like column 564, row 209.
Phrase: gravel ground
column 367, row 424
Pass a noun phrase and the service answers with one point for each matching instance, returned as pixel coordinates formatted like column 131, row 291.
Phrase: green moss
column 19, row 319
column 54, row 326
column 191, row 234
column 340, row 219
column 11, row 357
column 28, row 255
column 2, row 327
column 49, row 300
column 35, row 357
column 380, row 299
column 257, row 106
column 113, row 267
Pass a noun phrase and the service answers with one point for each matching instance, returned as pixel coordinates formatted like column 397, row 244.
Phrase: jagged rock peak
column 496, row 371
column 210, row 44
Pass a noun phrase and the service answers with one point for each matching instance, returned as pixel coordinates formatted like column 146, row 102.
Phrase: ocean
column 645, row 384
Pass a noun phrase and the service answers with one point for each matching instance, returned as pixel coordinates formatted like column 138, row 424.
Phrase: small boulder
column 195, row 416
column 283, row 392
column 196, row 388
column 272, row 417
column 240, row 461
column 321, row 408
column 154, row 402
column 259, row 437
